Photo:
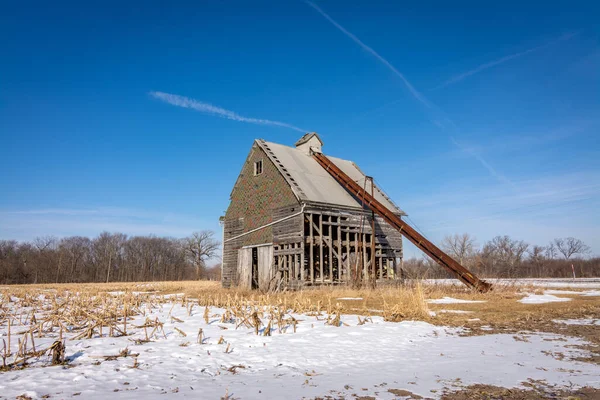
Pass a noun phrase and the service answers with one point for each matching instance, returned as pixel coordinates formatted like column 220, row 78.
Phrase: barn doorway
column 255, row 266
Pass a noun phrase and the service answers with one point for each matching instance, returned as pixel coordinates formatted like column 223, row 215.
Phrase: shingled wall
column 253, row 201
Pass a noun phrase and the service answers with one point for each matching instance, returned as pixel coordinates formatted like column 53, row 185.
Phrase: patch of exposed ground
column 531, row 392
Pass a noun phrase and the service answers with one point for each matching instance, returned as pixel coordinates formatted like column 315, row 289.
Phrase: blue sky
column 473, row 118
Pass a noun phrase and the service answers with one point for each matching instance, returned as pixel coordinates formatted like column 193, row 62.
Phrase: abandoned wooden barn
column 290, row 224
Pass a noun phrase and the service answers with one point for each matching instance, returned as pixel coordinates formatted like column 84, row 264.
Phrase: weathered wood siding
column 252, row 204
column 265, row 266
column 290, row 230
column 245, row 267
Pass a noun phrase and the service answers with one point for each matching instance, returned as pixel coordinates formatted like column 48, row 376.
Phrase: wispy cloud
column 436, row 115
column 538, row 210
column 482, row 161
column 186, row 102
column 482, row 67
column 416, row 94
column 26, row 224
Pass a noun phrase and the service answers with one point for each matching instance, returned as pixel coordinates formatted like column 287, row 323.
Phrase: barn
column 290, row 224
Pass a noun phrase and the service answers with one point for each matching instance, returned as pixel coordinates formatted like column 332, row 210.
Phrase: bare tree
column 505, row 253
column 537, row 258
column 460, row 247
column 46, row 247
column 200, row 247
column 551, row 251
column 107, row 249
column 77, row 249
column 571, row 246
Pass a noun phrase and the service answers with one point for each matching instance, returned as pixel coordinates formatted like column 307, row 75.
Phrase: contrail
column 369, row 50
column 436, row 116
column 483, row 162
column 504, row 59
column 186, row 102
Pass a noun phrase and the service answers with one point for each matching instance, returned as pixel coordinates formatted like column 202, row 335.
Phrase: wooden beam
column 365, row 260
column 321, row 247
column 330, row 245
column 339, row 255
column 327, row 242
column 302, row 260
column 312, row 258
column 356, row 253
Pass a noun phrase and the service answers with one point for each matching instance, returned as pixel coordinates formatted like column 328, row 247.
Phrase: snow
column 451, row 300
column 577, row 321
column 591, row 293
column 569, row 292
column 562, row 292
column 541, row 299
column 317, row 360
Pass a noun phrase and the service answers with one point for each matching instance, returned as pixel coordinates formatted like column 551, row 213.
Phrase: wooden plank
column 245, row 268
column 330, row 245
column 357, row 253
column 312, row 258
column 265, row 266
column 340, row 261
column 321, row 246
column 302, row 261
column 364, row 253
column 326, row 240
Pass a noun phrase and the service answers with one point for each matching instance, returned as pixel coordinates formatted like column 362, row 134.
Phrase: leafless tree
column 460, row 247
column 570, row 246
column 504, row 253
column 107, row 249
column 116, row 257
column 45, row 247
column 214, row 273
column 537, row 258
column 200, row 247
column 551, row 251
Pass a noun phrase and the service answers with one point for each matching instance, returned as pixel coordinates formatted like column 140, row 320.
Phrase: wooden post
column 340, row 261
column 321, row 247
column 312, row 258
column 356, row 274
column 302, row 258
column 292, row 263
column 330, row 251
column 364, row 254
column 373, row 266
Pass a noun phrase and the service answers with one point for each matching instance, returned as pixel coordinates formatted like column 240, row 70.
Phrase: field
column 430, row 339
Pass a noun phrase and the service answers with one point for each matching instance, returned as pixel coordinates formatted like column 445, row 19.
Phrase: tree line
column 116, row 257
column 505, row 257
column 109, row 257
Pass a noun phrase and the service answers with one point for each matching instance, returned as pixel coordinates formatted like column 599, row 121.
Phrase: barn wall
column 252, row 205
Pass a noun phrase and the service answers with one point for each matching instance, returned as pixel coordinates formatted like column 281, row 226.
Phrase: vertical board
column 265, row 266
column 245, row 268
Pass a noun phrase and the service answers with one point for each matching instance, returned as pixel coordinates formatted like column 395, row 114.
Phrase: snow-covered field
column 320, row 358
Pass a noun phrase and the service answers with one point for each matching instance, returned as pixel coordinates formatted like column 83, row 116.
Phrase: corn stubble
column 84, row 311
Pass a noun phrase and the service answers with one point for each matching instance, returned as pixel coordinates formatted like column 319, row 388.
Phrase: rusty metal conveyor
column 409, row 232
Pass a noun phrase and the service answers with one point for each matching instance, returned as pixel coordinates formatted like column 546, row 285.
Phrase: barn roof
column 311, row 183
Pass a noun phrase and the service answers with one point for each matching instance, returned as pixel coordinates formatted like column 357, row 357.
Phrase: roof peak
column 306, row 137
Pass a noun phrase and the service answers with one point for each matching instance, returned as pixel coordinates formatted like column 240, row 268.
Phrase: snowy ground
column 317, row 360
